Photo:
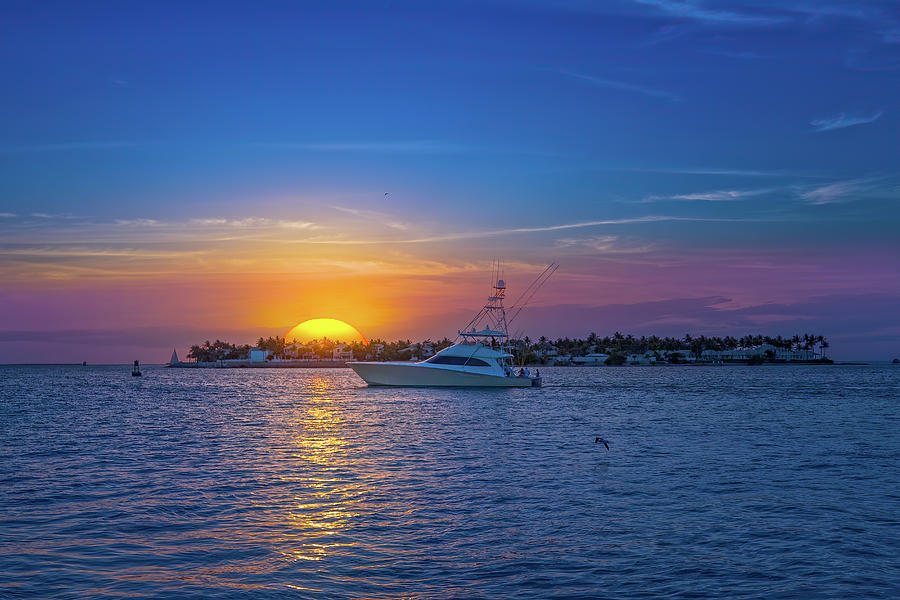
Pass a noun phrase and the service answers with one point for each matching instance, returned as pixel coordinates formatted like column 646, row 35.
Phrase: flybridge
column 491, row 322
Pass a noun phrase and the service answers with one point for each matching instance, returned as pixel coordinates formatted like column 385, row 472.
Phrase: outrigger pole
column 529, row 292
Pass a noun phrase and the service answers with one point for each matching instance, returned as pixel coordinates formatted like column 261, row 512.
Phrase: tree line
column 629, row 344
column 525, row 349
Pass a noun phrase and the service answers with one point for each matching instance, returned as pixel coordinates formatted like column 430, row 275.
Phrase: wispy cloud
column 75, row 251
column 43, row 215
column 714, row 196
column 253, row 222
column 668, row 33
column 829, row 194
column 856, row 9
column 712, row 171
column 851, row 189
column 623, row 86
column 688, row 9
column 7, row 215
column 138, row 222
column 607, row 244
column 263, row 230
column 492, row 233
column 842, row 120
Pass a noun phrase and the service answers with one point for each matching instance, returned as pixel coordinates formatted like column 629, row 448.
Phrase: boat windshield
column 457, row 360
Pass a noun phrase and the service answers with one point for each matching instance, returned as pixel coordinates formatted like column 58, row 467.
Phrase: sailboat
column 481, row 358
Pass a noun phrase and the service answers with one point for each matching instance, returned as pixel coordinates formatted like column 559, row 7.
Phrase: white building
column 765, row 350
column 259, row 355
column 342, row 352
column 594, row 358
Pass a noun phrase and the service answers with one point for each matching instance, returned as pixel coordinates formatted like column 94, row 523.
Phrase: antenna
column 530, row 285
column 531, row 290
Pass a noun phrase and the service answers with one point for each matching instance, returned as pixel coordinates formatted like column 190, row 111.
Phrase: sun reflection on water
column 316, row 520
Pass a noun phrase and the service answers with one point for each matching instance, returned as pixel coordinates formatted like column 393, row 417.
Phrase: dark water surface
column 738, row 482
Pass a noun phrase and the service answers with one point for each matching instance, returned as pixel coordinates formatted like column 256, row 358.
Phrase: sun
column 333, row 329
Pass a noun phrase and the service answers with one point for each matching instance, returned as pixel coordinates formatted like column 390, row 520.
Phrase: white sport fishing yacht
column 480, row 359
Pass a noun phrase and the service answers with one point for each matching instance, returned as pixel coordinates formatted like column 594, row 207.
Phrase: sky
column 175, row 172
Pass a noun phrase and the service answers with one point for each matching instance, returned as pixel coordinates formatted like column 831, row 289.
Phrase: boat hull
column 415, row 375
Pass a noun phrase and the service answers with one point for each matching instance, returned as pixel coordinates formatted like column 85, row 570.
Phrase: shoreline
column 280, row 364
column 327, row 364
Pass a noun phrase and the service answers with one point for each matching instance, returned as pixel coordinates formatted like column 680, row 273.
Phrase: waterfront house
column 342, row 352
column 594, row 358
column 259, row 355
column 767, row 351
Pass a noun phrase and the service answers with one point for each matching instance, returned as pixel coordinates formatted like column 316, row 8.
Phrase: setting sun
column 316, row 329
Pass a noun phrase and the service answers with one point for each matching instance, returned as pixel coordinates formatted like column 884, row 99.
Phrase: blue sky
column 615, row 137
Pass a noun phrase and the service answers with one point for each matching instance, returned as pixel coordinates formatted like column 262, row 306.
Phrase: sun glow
column 316, row 329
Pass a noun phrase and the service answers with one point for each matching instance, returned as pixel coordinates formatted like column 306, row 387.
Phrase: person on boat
column 506, row 370
column 537, row 373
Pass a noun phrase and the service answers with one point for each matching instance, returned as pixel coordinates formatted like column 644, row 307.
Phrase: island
column 593, row 350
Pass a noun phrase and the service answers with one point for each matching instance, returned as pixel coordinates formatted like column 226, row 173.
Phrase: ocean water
column 729, row 482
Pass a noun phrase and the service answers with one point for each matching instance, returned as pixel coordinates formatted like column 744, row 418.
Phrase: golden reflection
column 327, row 497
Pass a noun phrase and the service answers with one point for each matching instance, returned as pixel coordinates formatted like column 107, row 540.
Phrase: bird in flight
column 605, row 443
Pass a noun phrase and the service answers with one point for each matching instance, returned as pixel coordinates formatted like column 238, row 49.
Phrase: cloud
column 688, row 9
column 490, row 233
column 254, row 222
column 714, row 171
column 69, row 251
column 7, row 215
column 623, row 86
column 262, row 229
column 138, row 222
column 843, row 120
column 668, row 33
column 844, row 191
column 830, row 194
column 835, row 8
column 606, row 244
column 714, row 196
column 43, row 215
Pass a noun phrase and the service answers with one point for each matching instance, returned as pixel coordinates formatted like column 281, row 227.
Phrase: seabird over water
column 605, row 443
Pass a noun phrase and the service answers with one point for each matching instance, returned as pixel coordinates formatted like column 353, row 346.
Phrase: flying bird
column 605, row 443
